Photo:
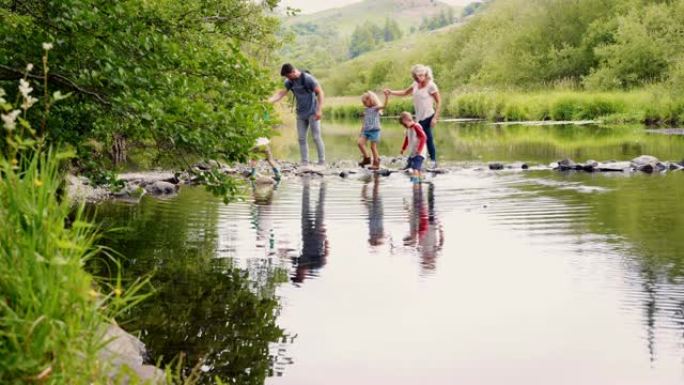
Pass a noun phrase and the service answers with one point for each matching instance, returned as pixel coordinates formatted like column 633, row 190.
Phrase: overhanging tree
column 181, row 75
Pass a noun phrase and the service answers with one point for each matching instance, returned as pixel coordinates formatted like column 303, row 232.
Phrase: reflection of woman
column 314, row 237
column 376, row 228
column 426, row 101
column 425, row 232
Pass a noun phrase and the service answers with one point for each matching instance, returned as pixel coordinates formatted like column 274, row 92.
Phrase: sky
column 311, row 6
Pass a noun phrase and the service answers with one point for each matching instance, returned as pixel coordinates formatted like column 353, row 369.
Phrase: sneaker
column 434, row 164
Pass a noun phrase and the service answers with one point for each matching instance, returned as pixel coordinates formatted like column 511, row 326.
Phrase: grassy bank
column 650, row 106
column 51, row 311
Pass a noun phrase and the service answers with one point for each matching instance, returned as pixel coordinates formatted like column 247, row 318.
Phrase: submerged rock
column 496, row 166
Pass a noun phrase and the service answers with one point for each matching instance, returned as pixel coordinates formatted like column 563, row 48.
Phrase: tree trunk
column 119, row 150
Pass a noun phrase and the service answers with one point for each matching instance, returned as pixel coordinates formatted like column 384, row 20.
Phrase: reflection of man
column 425, row 232
column 376, row 228
column 314, row 237
column 309, row 96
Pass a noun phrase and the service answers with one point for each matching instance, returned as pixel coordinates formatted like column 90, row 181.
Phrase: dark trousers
column 425, row 123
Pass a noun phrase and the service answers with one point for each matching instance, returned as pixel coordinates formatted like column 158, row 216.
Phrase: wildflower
column 10, row 120
column 262, row 141
column 25, row 88
column 38, row 182
column 94, row 294
column 28, row 102
column 47, row 46
column 15, row 162
column 29, row 67
column 118, row 292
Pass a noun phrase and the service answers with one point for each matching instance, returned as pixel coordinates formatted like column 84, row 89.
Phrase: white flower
column 47, row 46
column 29, row 67
column 262, row 141
column 28, row 102
column 24, row 88
column 10, row 120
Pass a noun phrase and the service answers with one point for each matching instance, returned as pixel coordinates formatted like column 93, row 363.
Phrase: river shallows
column 475, row 277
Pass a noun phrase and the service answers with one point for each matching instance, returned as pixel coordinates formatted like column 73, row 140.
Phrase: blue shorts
column 372, row 135
column 416, row 162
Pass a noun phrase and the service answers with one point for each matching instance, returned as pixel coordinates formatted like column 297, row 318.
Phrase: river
column 473, row 277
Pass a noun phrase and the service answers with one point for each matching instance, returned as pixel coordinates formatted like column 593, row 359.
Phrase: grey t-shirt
column 303, row 90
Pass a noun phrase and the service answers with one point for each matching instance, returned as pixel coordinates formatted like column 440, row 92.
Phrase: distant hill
column 324, row 39
column 407, row 13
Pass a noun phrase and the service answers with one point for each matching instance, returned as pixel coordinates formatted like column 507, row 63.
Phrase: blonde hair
column 420, row 69
column 405, row 115
column 370, row 95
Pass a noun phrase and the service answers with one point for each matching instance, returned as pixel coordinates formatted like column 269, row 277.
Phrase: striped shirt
column 371, row 119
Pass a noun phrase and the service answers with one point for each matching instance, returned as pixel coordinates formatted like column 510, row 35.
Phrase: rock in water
column 496, row 166
column 615, row 166
column 161, row 188
column 567, row 164
column 647, row 163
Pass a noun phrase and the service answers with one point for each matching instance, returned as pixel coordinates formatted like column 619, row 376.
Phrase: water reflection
column 373, row 203
column 425, row 232
column 315, row 246
column 261, row 216
column 221, row 319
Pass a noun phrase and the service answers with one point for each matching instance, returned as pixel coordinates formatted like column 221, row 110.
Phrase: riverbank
column 57, row 320
column 654, row 106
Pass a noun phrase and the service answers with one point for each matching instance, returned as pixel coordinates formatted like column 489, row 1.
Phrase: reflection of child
column 261, row 148
column 414, row 140
column 370, row 131
column 376, row 228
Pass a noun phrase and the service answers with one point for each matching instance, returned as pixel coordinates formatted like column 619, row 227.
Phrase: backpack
column 305, row 73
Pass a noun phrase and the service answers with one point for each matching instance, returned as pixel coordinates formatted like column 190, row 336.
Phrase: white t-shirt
column 423, row 100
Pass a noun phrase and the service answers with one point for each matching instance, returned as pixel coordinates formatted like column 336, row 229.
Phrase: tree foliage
column 368, row 36
column 532, row 44
column 181, row 75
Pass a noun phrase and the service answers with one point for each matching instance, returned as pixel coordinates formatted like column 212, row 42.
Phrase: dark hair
column 286, row 69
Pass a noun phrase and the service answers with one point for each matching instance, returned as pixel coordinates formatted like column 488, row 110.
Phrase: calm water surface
column 474, row 277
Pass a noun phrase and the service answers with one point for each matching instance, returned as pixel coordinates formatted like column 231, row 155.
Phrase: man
column 309, row 96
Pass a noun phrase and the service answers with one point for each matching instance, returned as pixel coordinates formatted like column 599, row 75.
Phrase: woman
column 426, row 101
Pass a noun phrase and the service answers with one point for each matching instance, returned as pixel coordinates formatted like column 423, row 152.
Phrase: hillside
column 343, row 20
column 323, row 40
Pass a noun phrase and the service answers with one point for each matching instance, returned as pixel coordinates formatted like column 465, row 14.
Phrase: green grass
column 52, row 311
column 652, row 105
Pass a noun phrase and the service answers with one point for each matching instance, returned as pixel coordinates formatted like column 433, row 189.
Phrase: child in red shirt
column 414, row 141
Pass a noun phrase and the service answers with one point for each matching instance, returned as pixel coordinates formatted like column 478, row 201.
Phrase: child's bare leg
column 269, row 158
column 362, row 146
column 376, row 155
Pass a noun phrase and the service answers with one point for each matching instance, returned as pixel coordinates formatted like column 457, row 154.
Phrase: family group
column 418, row 136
